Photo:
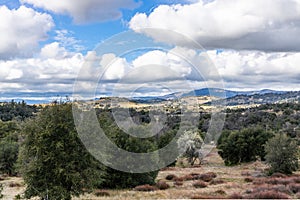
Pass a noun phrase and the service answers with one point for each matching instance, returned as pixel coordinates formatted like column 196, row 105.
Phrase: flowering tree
column 189, row 145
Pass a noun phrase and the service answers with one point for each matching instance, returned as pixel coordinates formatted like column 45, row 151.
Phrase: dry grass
column 101, row 193
column 225, row 182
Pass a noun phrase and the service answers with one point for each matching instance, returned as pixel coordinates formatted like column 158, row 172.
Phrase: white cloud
column 45, row 74
column 86, row 11
column 269, row 25
column 21, row 30
column 258, row 69
column 53, row 50
column 66, row 39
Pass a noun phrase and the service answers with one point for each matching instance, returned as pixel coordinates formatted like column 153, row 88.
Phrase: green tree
column 243, row 146
column 55, row 163
column 282, row 154
column 120, row 179
column 8, row 147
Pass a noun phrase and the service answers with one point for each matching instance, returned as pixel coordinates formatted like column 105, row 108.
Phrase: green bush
column 8, row 147
column 8, row 157
column 243, row 146
column 282, row 154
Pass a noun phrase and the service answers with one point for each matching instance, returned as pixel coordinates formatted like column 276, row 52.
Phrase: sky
column 54, row 48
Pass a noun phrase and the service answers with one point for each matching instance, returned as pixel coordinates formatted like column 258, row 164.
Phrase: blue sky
column 46, row 45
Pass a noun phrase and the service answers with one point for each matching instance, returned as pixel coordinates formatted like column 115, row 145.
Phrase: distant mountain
column 221, row 93
column 264, row 97
column 216, row 92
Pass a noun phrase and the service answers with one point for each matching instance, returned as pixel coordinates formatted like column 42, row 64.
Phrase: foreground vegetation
column 44, row 149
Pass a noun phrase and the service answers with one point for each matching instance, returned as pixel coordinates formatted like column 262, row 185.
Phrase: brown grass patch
column 268, row 195
column 145, row 188
column 179, row 179
column 206, row 176
column 162, row 185
column 217, row 181
column 189, row 177
column 200, row 184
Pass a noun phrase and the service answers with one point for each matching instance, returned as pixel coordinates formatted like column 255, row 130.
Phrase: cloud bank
column 268, row 25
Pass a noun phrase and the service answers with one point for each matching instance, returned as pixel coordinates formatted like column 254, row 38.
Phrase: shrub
column 282, row 154
column 101, row 193
column 162, row 185
column 145, row 188
column 200, row 184
column 171, row 177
